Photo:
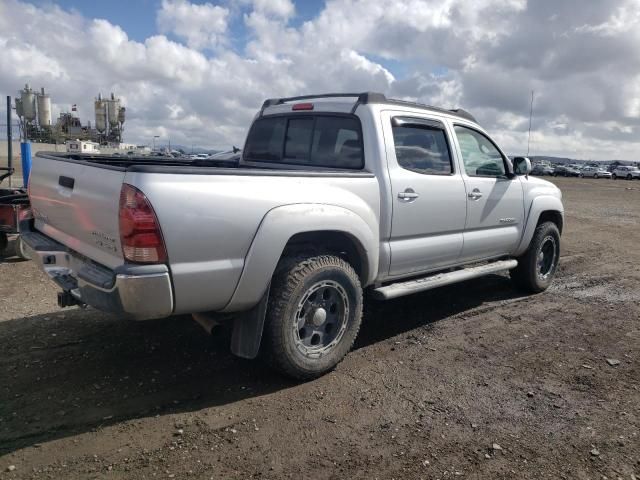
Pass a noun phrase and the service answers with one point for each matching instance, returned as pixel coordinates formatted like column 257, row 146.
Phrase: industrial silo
column 101, row 114
column 113, row 106
column 19, row 111
column 28, row 100
column 44, row 109
column 121, row 115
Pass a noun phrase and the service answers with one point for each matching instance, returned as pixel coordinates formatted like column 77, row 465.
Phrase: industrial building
column 34, row 112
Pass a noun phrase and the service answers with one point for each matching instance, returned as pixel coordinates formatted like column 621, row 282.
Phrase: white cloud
column 201, row 26
column 188, row 83
column 277, row 8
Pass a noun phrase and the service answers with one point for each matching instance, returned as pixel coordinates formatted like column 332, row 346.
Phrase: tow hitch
column 65, row 299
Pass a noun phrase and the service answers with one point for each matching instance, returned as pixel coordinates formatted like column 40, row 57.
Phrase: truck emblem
column 104, row 241
column 507, row 220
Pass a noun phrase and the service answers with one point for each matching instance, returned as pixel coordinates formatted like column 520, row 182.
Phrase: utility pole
column 9, row 139
column 530, row 117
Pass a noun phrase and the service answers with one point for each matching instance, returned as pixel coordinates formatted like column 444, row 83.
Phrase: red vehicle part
column 14, row 207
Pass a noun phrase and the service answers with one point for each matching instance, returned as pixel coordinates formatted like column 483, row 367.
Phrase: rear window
column 311, row 140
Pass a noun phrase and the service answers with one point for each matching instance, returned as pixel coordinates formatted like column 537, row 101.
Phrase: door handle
column 66, row 182
column 474, row 194
column 408, row 195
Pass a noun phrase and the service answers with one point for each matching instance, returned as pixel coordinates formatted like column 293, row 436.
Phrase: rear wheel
column 614, row 176
column 595, row 175
column 537, row 267
column 314, row 315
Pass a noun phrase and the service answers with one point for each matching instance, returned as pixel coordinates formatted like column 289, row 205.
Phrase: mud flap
column 247, row 329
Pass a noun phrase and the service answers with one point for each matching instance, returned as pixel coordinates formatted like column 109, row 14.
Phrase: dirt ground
column 471, row 381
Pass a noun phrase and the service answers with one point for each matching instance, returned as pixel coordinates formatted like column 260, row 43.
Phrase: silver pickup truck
column 333, row 195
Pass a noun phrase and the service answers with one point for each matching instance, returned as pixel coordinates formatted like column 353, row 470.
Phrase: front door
column 428, row 195
column 495, row 205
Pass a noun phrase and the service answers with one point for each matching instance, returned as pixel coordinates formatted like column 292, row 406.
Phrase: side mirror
column 521, row 166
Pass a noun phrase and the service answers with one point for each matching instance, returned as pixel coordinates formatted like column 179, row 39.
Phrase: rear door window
column 422, row 150
column 326, row 141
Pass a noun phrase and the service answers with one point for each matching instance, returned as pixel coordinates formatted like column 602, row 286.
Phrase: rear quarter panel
column 209, row 221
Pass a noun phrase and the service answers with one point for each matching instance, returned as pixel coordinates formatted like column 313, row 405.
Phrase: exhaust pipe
column 206, row 321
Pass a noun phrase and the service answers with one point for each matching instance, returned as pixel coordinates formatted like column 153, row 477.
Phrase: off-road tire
column 293, row 278
column 525, row 276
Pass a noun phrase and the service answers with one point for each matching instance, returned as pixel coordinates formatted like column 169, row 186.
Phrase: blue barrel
column 25, row 153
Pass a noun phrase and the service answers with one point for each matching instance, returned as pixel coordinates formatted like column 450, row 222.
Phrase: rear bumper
column 138, row 291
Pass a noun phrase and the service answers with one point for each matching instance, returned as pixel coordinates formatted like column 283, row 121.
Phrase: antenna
column 530, row 117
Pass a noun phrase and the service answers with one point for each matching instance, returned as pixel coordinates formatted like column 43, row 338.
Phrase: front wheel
column 537, row 266
column 313, row 316
column 629, row 177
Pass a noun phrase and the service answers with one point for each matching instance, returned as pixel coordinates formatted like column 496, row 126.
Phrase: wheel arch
column 337, row 242
column 305, row 226
column 554, row 216
column 544, row 208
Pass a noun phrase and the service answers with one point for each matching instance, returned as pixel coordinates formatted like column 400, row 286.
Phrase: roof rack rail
column 463, row 113
column 365, row 98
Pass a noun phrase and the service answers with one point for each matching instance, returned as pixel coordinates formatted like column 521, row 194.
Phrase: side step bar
column 401, row 289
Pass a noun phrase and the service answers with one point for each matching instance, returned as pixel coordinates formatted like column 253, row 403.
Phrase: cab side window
column 480, row 156
column 422, row 150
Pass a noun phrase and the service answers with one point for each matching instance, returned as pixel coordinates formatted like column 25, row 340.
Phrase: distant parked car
column 562, row 171
column 230, row 155
column 595, row 172
column 542, row 170
column 630, row 173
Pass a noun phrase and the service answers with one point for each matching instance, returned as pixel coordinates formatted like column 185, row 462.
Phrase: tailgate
column 76, row 203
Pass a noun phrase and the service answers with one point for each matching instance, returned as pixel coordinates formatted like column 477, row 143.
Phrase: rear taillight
column 140, row 232
column 7, row 216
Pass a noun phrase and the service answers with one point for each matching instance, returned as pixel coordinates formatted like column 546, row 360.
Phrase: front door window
column 480, row 156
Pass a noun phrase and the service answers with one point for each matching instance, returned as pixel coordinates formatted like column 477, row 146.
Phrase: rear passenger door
column 428, row 194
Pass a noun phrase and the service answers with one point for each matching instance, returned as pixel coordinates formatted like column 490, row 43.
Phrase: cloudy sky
column 196, row 72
